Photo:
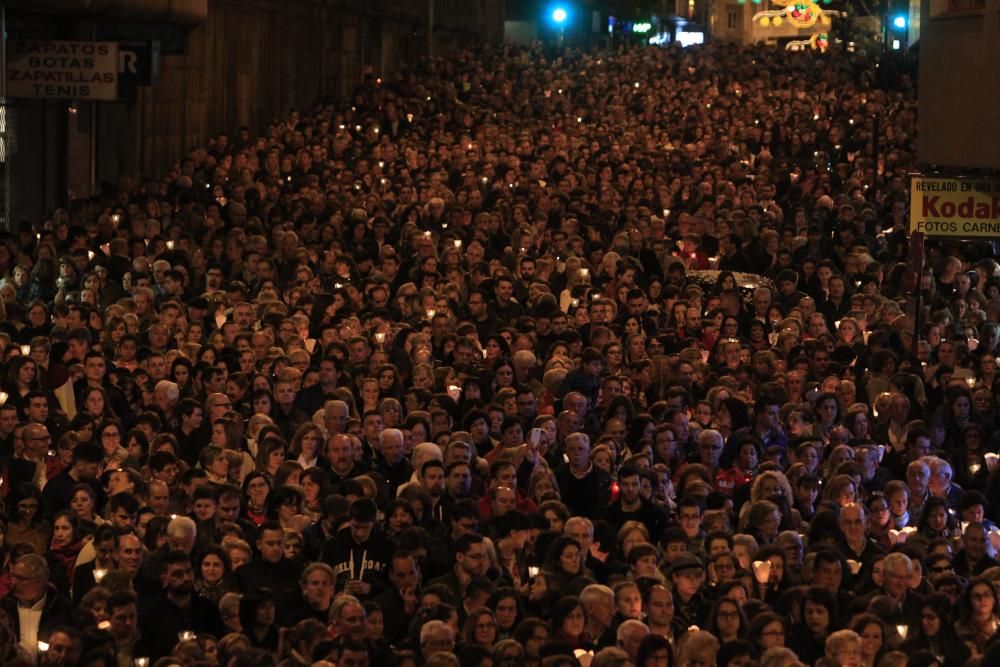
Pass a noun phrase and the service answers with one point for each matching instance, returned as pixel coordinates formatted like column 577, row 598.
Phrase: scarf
column 65, row 556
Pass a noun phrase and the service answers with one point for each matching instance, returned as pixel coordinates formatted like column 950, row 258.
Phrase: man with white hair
column 335, row 416
column 422, row 453
column 390, row 460
column 897, row 583
column 33, row 609
column 525, row 363
column 630, row 635
column 941, row 484
column 435, row 637
column 181, row 536
column 598, row 601
column 165, row 394
column 585, row 488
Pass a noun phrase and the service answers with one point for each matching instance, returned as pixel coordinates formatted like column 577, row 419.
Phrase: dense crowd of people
column 607, row 358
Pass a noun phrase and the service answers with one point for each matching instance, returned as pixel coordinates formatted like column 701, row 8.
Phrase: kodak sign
column 957, row 208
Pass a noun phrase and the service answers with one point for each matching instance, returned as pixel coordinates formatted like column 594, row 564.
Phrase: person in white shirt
column 34, row 609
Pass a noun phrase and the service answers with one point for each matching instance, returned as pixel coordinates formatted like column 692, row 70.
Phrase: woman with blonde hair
column 543, row 485
column 697, row 648
column 629, row 535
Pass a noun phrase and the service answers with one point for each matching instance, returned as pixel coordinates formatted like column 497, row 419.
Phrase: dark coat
column 58, row 610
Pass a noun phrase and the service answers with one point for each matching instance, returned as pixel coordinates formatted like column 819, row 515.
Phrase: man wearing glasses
column 34, row 610
column 29, row 464
column 897, row 573
column 21, row 468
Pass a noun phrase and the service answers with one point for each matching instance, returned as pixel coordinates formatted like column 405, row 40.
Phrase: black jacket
column 160, row 622
column 57, row 610
column 281, row 577
column 648, row 514
column 368, row 562
column 587, row 496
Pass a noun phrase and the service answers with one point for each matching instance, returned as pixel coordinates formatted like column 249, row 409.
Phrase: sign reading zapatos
column 957, row 208
column 62, row 70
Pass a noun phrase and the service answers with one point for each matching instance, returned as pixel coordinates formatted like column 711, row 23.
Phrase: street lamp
column 559, row 16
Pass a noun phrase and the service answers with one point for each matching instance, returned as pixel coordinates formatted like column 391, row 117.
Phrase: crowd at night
column 597, row 359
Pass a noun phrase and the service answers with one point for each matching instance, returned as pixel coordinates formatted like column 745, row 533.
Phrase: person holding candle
column 937, row 632
column 34, row 610
column 359, row 555
column 271, row 568
column 978, row 618
column 88, row 575
column 177, row 609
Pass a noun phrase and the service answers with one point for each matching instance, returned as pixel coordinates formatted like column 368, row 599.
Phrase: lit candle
column 762, row 571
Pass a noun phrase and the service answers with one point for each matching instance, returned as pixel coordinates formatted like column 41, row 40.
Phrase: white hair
column 595, row 592
column 389, row 432
column 168, row 389
column 424, row 452
column 435, row 627
column 182, row 526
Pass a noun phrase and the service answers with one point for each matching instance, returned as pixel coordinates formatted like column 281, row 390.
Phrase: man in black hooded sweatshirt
column 358, row 555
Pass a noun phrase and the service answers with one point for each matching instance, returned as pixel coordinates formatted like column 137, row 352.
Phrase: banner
column 62, row 70
column 955, row 208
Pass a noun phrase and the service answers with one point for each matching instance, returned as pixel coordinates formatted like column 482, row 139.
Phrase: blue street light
column 899, row 22
column 559, row 15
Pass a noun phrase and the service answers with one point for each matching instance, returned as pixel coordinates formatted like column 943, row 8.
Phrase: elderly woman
column 844, row 646
column 697, row 648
